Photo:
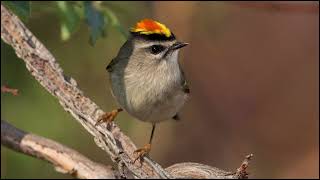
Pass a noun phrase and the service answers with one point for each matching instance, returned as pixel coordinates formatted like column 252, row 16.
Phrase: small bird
column 146, row 78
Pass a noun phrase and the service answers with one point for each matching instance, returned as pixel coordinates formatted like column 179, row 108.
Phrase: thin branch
column 64, row 159
column 242, row 170
column 6, row 89
column 43, row 66
column 200, row 171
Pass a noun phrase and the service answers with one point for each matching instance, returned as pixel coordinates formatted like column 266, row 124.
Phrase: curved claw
column 108, row 117
column 142, row 152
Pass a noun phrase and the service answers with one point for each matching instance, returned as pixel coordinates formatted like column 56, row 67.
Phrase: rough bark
column 64, row 159
column 44, row 67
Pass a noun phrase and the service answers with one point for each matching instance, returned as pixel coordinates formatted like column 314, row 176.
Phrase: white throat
column 174, row 57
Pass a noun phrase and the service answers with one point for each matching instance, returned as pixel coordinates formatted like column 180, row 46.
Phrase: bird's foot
column 142, row 152
column 108, row 117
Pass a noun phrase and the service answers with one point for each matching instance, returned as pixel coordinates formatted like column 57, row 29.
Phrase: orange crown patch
column 149, row 26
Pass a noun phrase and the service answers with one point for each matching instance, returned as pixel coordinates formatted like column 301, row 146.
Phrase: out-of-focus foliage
column 96, row 14
column 35, row 110
column 95, row 20
column 20, row 8
column 70, row 18
column 253, row 74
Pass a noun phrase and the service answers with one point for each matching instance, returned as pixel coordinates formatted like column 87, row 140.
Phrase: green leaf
column 20, row 8
column 95, row 21
column 70, row 19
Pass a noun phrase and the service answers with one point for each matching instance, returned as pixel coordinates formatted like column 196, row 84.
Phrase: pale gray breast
column 152, row 95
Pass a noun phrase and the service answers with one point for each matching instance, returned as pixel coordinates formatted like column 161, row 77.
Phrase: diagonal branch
column 64, row 159
column 43, row 66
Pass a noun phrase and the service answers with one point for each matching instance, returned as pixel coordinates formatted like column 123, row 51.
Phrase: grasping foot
column 108, row 117
column 142, row 152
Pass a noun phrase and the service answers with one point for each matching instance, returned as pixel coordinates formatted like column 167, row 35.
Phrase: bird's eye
column 156, row 49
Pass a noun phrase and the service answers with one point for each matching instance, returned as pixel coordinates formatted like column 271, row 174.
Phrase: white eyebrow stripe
column 146, row 44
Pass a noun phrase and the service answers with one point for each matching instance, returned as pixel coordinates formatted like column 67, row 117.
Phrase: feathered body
column 146, row 78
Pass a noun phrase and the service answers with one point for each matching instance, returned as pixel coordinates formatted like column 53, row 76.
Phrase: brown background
column 254, row 79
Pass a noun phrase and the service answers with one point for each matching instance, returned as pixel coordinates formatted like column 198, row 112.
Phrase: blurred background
column 253, row 70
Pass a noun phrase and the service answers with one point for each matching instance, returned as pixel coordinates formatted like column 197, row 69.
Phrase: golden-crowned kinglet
column 146, row 78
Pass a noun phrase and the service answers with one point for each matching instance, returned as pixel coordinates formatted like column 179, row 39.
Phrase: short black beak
column 178, row 45
column 174, row 47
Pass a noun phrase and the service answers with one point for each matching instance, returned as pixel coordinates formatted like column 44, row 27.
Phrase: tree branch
column 64, row 159
column 46, row 70
column 43, row 66
column 198, row 171
column 6, row 89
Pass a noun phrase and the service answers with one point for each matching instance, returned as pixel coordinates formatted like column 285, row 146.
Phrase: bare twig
column 198, row 171
column 46, row 70
column 43, row 66
column 64, row 159
column 6, row 89
column 242, row 170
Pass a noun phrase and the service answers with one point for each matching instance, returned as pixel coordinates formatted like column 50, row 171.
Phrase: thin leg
column 145, row 149
column 152, row 132
column 108, row 116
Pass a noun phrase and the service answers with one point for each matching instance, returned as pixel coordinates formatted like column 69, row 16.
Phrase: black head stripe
column 157, row 37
